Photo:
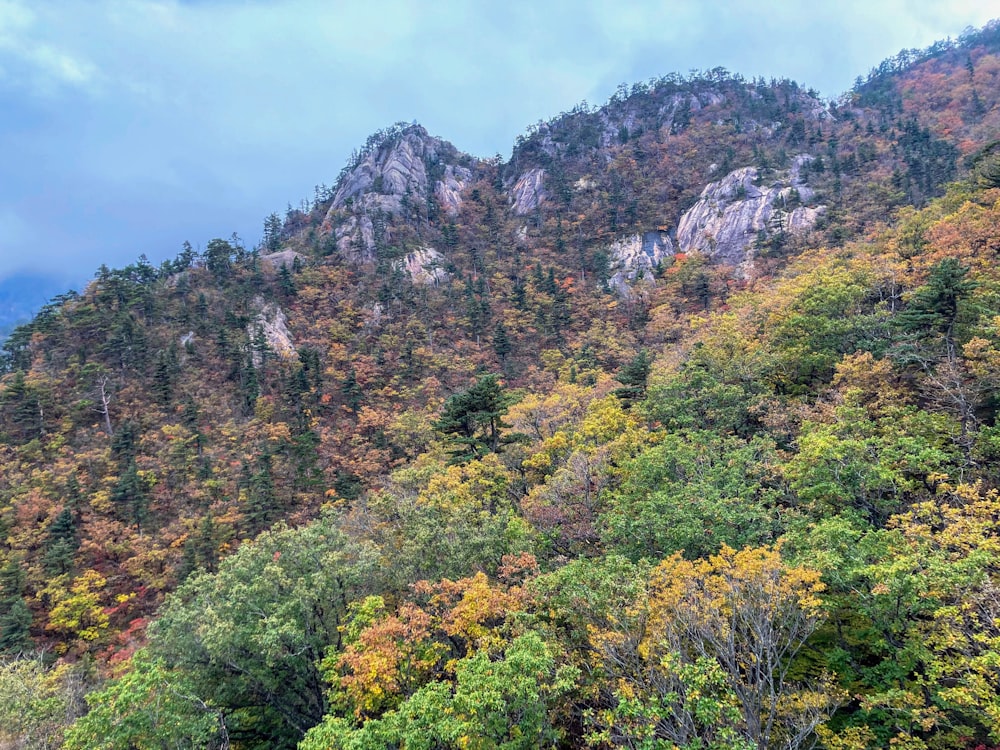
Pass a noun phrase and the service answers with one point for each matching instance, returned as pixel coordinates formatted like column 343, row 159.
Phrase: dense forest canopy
column 677, row 429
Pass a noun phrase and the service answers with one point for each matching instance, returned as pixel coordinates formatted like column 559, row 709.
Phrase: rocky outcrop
column 282, row 258
column 632, row 260
column 733, row 214
column 425, row 267
column 528, row 192
column 355, row 238
column 392, row 176
column 448, row 190
column 384, row 176
column 272, row 322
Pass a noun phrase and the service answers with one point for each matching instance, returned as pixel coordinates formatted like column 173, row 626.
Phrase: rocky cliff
column 392, row 179
column 734, row 214
column 633, row 260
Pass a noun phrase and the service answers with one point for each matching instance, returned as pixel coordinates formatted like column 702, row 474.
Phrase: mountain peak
column 398, row 168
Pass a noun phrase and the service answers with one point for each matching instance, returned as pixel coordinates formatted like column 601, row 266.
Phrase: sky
column 128, row 127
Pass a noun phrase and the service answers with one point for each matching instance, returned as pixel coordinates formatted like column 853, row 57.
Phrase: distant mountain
column 23, row 295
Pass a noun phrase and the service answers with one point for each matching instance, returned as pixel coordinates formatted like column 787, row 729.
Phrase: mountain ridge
column 470, row 417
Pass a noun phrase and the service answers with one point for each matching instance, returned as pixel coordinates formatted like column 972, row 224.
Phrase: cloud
column 133, row 125
column 32, row 63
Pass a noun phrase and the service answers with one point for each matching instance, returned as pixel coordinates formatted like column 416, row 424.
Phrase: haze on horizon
column 133, row 125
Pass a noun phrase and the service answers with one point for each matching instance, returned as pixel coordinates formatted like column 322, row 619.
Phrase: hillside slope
column 490, row 413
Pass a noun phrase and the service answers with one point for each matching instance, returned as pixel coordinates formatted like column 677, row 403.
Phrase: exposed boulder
column 425, row 267
column 282, row 258
column 734, row 212
column 633, row 259
column 528, row 192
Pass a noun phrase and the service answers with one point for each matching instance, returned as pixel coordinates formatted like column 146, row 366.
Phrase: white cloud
column 209, row 114
column 33, row 63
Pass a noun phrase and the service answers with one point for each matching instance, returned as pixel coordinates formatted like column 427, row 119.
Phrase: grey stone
column 448, row 189
column 282, row 258
column 725, row 222
column 633, row 259
column 273, row 322
column 425, row 267
column 528, row 192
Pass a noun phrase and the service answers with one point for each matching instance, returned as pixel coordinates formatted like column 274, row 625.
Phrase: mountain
column 23, row 295
column 676, row 427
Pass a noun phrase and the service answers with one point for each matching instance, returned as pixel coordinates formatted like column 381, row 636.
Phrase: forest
column 678, row 430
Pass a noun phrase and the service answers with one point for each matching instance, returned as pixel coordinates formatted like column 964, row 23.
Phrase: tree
column 37, row 702
column 931, row 341
column 131, row 496
column 62, row 543
column 501, row 342
column 915, row 619
column 272, row 233
column 633, row 377
column 22, row 409
column 935, row 307
column 218, row 258
column 712, row 662
column 472, row 420
column 500, row 703
column 351, row 390
column 248, row 639
column 262, row 505
column 694, row 492
column 149, row 706
column 15, row 618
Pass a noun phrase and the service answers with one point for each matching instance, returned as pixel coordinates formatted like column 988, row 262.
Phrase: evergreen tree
column 262, row 507
column 633, row 377
column 501, row 342
column 61, row 543
column 472, row 420
column 272, row 233
column 131, row 496
column 351, row 391
column 15, row 618
column 285, row 282
column 934, row 308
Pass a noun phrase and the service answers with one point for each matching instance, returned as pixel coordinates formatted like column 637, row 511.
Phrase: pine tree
column 472, row 420
column 15, row 617
column 262, row 507
column 351, row 391
column 633, row 377
column 501, row 342
column 285, row 282
column 61, row 543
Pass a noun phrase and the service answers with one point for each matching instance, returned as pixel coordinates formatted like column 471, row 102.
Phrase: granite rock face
column 448, row 189
column 425, row 267
column 734, row 212
column 632, row 260
column 389, row 179
column 387, row 173
column 528, row 192
column 273, row 323
column 355, row 238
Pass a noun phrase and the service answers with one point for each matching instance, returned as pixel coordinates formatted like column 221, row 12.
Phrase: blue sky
column 130, row 126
